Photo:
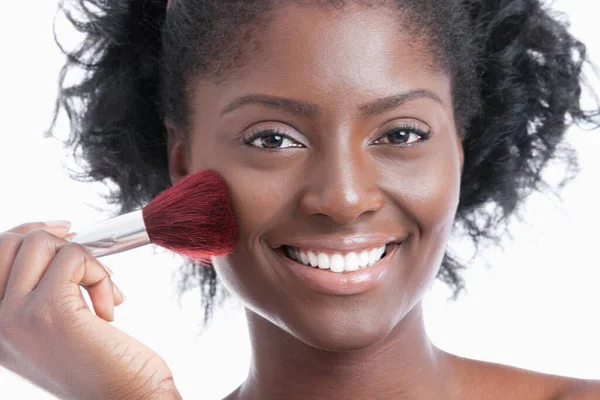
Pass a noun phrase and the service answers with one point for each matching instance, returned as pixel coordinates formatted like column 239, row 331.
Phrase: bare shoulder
column 484, row 380
column 581, row 390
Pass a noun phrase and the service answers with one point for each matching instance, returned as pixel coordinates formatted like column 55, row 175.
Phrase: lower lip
column 342, row 284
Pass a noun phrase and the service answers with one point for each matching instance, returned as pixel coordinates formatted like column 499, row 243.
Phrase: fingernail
column 110, row 272
column 118, row 292
column 58, row 224
column 70, row 236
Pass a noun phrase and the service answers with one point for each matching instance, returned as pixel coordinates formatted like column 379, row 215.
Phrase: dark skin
column 348, row 163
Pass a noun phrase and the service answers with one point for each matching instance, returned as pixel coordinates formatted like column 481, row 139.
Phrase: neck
column 403, row 365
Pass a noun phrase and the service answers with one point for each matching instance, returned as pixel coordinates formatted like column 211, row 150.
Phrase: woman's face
column 329, row 142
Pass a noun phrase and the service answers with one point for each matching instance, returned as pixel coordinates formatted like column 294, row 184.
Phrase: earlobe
column 177, row 155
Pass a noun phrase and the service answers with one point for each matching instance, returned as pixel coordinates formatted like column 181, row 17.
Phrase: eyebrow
column 306, row 109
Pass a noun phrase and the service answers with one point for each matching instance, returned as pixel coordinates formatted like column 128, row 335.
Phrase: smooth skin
column 49, row 335
column 323, row 91
column 347, row 177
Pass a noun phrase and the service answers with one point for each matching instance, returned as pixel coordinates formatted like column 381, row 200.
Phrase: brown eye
column 402, row 137
column 270, row 139
column 405, row 136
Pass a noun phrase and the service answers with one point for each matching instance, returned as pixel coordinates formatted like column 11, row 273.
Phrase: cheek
column 258, row 195
column 427, row 195
column 260, row 200
column 433, row 199
column 429, row 189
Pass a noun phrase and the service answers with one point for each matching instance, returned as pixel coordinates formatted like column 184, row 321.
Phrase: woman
column 353, row 135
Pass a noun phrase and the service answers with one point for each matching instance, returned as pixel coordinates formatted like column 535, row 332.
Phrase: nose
column 342, row 186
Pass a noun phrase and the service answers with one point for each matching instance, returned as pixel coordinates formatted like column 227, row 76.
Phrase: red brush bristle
column 193, row 218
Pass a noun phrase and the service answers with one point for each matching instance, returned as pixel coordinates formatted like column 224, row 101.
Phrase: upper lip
column 340, row 244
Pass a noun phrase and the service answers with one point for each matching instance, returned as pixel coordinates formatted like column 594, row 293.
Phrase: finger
column 119, row 297
column 83, row 300
column 118, row 294
column 60, row 228
column 69, row 236
column 10, row 243
column 37, row 250
column 73, row 266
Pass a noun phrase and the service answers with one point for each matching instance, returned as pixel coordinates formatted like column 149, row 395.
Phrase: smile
column 336, row 262
column 379, row 266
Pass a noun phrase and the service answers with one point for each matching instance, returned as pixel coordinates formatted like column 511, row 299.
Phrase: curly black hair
column 517, row 84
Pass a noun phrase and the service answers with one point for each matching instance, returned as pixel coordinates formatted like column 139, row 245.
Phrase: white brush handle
column 114, row 235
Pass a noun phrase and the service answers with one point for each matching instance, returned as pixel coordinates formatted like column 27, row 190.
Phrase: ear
column 177, row 153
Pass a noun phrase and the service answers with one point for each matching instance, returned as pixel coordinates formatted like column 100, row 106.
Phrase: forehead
column 322, row 53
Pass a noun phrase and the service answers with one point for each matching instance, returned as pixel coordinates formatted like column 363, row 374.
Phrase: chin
column 341, row 328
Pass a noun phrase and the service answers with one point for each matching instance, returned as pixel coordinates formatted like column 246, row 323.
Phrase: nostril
column 342, row 204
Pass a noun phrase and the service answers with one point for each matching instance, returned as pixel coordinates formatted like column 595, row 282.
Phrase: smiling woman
column 355, row 137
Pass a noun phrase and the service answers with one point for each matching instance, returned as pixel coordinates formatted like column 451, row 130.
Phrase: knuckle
column 73, row 247
column 41, row 238
column 74, row 250
column 10, row 240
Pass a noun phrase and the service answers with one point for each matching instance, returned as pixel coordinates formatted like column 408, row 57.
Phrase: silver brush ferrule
column 114, row 235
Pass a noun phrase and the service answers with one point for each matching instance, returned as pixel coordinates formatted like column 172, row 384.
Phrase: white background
column 538, row 307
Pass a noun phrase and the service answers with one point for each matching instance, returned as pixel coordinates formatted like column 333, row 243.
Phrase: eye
column 404, row 136
column 271, row 139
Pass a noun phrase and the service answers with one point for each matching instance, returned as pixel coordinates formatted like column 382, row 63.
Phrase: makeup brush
column 193, row 218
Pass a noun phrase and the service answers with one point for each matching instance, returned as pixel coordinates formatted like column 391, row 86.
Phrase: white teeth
column 373, row 256
column 312, row 258
column 363, row 259
column 323, row 261
column 351, row 262
column 338, row 262
column 304, row 258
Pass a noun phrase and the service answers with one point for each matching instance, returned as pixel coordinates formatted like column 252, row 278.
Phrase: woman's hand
column 49, row 336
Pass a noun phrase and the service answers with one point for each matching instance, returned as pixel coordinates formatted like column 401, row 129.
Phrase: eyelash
column 267, row 133
column 410, row 128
